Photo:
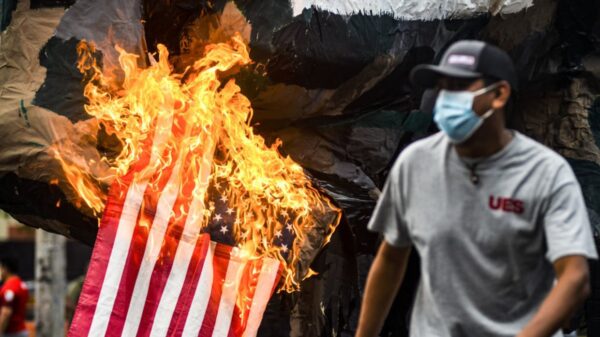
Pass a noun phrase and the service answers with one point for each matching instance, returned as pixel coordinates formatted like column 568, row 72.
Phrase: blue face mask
column 453, row 113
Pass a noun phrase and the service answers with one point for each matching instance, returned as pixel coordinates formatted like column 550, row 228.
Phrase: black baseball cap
column 468, row 59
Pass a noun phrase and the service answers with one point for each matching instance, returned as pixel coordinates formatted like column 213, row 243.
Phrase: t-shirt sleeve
column 566, row 222
column 8, row 297
column 388, row 217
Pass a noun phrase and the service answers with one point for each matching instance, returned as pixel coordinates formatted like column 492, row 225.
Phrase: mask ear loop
column 487, row 114
column 482, row 91
column 486, row 89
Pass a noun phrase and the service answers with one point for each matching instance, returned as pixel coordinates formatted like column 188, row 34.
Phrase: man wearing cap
column 498, row 220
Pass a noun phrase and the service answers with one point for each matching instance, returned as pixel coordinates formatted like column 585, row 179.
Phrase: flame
column 88, row 190
column 199, row 118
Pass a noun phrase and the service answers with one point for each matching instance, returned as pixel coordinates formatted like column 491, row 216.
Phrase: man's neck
column 484, row 143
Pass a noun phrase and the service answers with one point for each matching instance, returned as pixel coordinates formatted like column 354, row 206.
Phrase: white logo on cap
column 467, row 60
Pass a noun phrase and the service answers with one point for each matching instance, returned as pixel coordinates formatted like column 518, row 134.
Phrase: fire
column 199, row 127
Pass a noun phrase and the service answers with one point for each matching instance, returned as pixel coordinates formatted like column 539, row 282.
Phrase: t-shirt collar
column 483, row 162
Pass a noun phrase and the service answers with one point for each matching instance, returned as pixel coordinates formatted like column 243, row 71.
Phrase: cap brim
column 426, row 75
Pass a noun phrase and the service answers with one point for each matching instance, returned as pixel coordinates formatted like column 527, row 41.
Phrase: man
column 494, row 216
column 13, row 300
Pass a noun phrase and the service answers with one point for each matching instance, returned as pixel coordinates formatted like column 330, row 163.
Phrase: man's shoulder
column 422, row 150
column 14, row 283
column 427, row 146
column 539, row 152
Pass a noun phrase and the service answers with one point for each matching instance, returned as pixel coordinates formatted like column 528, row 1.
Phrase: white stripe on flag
column 184, row 253
column 174, row 285
column 199, row 304
column 127, row 224
column 118, row 257
column 153, row 246
column 228, row 296
column 266, row 280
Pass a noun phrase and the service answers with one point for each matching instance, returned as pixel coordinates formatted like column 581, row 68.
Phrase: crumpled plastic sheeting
column 348, row 158
column 588, row 174
column 556, row 114
column 21, row 73
column 555, row 46
column 29, row 132
column 54, row 120
column 106, row 24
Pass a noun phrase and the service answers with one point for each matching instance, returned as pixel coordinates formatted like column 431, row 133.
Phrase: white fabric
column 416, row 9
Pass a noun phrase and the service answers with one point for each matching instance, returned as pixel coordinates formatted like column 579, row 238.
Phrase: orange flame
column 269, row 192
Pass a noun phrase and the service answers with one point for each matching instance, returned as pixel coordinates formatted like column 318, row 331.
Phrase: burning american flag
column 190, row 170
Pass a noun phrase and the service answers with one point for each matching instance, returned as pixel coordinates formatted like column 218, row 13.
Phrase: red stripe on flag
column 159, row 277
column 97, row 267
column 220, row 265
column 187, row 294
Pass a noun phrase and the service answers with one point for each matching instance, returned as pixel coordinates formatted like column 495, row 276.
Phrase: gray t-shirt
column 486, row 249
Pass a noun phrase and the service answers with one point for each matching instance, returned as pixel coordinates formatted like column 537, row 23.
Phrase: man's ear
column 502, row 92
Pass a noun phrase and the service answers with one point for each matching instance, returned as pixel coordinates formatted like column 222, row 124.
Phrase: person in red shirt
column 13, row 300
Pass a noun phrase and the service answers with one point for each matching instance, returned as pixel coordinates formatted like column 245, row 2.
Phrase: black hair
column 10, row 263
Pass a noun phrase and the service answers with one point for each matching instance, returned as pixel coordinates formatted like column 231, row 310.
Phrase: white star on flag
column 224, row 198
column 218, row 217
column 229, row 211
column 289, row 227
column 278, row 234
column 284, row 248
column 224, row 229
